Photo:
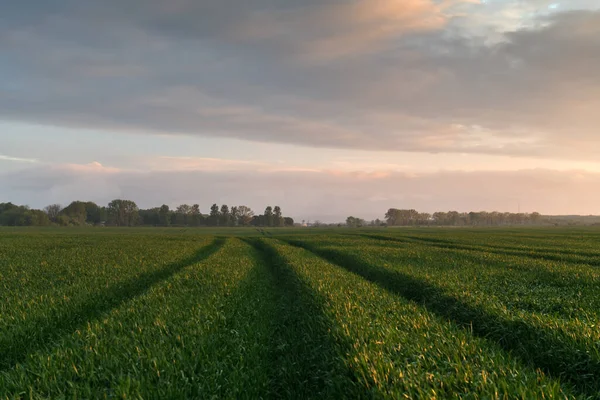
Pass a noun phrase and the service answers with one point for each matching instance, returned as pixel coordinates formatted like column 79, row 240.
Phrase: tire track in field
column 508, row 251
column 541, row 348
column 583, row 257
column 554, row 278
column 43, row 331
column 305, row 362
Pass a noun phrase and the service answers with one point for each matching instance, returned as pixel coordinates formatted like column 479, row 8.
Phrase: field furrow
column 401, row 349
column 567, row 348
column 306, row 313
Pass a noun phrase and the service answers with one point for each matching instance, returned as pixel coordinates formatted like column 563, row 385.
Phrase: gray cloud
column 319, row 74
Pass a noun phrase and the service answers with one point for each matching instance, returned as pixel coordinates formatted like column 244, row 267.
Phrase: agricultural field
column 307, row 313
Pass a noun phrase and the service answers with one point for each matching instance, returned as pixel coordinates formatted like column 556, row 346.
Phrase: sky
column 327, row 108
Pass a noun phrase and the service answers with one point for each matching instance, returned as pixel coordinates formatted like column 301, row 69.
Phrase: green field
column 307, row 313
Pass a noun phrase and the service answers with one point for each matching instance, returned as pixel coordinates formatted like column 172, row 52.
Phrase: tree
column 453, row 218
column 277, row 217
column 36, row 218
column 164, row 215
column 196, row 216
column 423, row 218
column 235, row 216
column 440, row 218
column 95, row 213
column 353, row 222
column 225, row 216
column 81, row 213
column 245, row 215
column 53, row 210
column 391, row 216
column 395, row 216
column 287, row 221
column 13, row 215
column 77, row 213
column 183, row 212
column 150, row 217
column 268, row 216
column 535, row 217
column 213, row 219
column 123, row 212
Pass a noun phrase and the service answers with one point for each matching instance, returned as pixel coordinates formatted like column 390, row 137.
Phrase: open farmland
column 380, row 313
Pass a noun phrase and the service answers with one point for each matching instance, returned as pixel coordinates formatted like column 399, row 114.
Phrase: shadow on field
column 585, row 258
column 534, row 271
column 37, row 334
column 304, row 361
column 542, row 348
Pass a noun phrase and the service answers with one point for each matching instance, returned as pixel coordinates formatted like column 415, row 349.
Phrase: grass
column 307, row 313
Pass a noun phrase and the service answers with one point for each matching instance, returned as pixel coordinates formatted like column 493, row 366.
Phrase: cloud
column 92, row 168
column 169, row 163
column 18, row 159
column 320, row 194
column 381, row 75
column 339, row 29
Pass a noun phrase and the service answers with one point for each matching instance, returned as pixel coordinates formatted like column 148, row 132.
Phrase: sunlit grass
column 300, row 314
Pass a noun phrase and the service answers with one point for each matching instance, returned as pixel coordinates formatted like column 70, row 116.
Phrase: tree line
column 126, row 213
column 398, row 217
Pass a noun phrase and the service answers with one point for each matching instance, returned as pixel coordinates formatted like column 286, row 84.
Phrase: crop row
column 311, row 316
column 544, row 314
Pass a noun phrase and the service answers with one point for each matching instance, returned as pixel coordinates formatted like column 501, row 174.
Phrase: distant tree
column 235, row 216
column 423, row 218
column 245, row 215
column 123, row 212
column 63, row 220
column 13, row 215
column 183, row 213
column 164, row 215
column 277, row 217
column 353, row 222
column 36, row 218
column 213, row 219
column 440, row 218
column 225, row 216
column 150, row 216
column 268, row 221
column 94, row 213
column 376, row 222
column 453, row 218
column 77, row 213
column 392, row 216
column 184, row 209
column 52, row 211
column 196, row 216
column 287, row 221
column 4, row 207
column 259, row 220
